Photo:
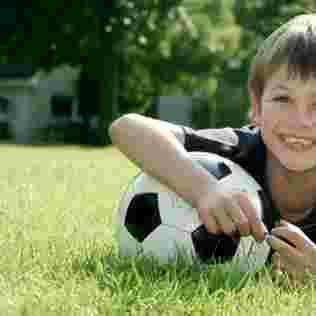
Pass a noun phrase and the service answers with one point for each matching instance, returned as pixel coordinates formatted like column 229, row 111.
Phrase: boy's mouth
column 297, row 143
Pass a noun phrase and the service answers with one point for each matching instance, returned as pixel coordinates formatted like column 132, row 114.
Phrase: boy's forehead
column 283, row 79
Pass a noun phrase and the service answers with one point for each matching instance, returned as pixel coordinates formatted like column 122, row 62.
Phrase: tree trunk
column 109, row 91
column 109, row 84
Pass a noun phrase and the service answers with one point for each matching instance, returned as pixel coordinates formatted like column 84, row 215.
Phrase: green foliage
column 217, row 104
column 258, row 19
column 189, row 56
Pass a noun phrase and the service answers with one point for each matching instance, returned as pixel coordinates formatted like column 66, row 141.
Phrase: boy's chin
column 299, row 167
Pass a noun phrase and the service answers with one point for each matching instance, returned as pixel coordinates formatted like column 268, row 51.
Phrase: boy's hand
column 294, row 253
column 230, row 213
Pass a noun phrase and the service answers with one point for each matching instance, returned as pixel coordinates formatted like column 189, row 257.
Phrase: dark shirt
column 245, row 147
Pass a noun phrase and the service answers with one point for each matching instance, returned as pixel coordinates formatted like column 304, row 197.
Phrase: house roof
column 16, row 71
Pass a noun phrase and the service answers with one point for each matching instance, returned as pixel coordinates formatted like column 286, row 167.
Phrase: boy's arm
column 157, row 147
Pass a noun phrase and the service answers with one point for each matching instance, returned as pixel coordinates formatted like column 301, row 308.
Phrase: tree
column 129, row 50
column 188, row 57
column 94, row 35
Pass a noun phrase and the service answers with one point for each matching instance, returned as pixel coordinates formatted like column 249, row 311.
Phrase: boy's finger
column 210, row 223
column 276, row 261
column 283, row 248
column 257, row 227
column 238, row 217
column 227, row 225
column 294, row 235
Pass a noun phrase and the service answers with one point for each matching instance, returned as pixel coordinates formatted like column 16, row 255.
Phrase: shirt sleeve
column 223, row 141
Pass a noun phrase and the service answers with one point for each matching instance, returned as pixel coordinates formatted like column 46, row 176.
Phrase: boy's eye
column 281, row 98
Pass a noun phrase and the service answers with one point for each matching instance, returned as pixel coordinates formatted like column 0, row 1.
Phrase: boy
column 278, row 150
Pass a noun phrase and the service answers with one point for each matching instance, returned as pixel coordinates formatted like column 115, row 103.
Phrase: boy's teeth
column 293, row 140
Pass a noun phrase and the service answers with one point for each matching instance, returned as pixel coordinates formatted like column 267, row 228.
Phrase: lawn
column 59, row 254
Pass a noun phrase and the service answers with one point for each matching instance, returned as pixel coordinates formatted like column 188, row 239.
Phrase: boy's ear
column 255, row 109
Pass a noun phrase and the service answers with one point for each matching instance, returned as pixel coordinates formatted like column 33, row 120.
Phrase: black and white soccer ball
column 154, row 221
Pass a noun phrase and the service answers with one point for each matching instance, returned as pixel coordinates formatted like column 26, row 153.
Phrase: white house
column 30, row 101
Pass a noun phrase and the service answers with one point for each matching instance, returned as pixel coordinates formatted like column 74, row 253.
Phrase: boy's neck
column 293, row 193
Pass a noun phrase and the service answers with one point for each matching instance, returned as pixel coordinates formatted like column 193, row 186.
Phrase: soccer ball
column 154, row 221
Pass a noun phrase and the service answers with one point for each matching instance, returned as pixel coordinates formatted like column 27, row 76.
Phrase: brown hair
column 293, row 44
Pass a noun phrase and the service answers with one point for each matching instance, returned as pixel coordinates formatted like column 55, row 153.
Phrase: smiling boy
column 278, row 150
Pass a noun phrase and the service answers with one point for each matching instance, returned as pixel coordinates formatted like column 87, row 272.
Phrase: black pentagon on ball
column 142, row 215
column 217, row 168
column 213, row 247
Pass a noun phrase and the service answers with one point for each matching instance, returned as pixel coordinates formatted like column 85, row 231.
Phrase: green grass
column 59, row 255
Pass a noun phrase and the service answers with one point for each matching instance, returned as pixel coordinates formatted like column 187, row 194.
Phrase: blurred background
column 69, row 68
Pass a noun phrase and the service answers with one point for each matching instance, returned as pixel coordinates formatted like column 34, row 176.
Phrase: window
column 61, row 105
column 4, row 105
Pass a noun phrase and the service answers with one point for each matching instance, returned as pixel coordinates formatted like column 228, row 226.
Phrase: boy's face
column 286, row 116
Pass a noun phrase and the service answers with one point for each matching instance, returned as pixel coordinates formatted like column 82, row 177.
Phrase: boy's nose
column 306, row 118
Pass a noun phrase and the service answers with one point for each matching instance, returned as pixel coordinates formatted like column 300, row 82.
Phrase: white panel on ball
column 251, row 255
column 176, row 212
column 145, row 183
column 239, row 179
column 128, row 245
column 166, row 243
